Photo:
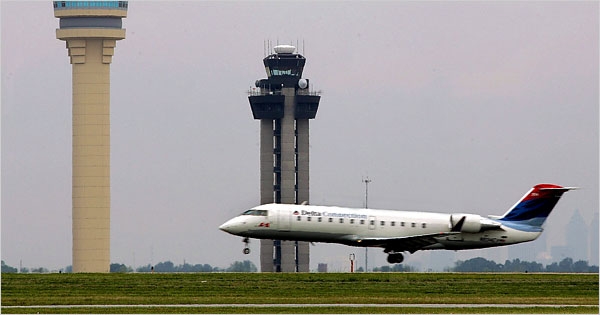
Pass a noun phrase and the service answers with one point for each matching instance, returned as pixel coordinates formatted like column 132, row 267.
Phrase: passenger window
column 393, row 223
column 372, row 222
column 401, row 223
column 424, row 225
column 382, row 223
column 320, row 219
column 308, row 219
column 362, row 221
column 341, row 220
column 298, row 218
column 330, row 220
column 413, row 224
column 351, row 221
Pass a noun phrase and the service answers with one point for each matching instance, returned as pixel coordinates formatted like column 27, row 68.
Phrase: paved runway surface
column 307, row 305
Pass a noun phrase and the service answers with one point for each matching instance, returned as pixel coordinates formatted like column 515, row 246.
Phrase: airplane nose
column 225, row 227
column 234, row 226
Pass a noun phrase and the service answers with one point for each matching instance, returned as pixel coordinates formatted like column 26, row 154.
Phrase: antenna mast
column 366, row 181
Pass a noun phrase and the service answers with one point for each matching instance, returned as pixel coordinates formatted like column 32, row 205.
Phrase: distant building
column 594, row 241
column 577, row 237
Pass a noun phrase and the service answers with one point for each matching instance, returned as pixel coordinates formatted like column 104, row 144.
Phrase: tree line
column 479, row 264
column 167, row 266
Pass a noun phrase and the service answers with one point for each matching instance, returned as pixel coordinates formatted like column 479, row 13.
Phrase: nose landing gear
column 246, row 248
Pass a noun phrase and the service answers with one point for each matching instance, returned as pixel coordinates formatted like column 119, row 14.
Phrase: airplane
column 398, row 232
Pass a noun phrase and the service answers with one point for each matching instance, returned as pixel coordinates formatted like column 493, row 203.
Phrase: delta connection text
column 331, row 214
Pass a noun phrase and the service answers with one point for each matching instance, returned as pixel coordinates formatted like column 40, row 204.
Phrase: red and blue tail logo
column 536, row 205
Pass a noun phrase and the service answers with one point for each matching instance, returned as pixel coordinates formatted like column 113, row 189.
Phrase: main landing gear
column 246, row 248
column 395, row 258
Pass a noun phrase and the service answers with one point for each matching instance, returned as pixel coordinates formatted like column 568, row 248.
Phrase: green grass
column 307, row 288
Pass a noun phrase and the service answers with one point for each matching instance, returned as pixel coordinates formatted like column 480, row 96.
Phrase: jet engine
column 471, row 223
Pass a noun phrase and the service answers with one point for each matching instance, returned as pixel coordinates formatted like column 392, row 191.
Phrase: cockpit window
column 263, row 213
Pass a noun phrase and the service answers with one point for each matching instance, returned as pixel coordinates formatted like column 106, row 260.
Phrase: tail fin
column 533, row 209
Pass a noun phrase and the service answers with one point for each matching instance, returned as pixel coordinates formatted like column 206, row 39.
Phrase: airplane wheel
column 246, row 251
column 395, row 258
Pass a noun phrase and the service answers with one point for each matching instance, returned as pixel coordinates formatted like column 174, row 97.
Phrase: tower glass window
column 90, row 4
column 285, row 71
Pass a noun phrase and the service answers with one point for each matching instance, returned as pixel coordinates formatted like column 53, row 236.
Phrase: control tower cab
column 284, row 70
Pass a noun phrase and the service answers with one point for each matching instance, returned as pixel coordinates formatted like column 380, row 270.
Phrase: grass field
column 307, row 288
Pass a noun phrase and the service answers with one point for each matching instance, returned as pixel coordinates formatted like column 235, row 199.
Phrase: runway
column 304, row 305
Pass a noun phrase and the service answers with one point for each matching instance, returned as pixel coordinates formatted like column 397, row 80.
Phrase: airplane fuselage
column 354, row 226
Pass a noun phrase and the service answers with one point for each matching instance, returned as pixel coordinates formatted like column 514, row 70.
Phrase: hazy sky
column 446, row 106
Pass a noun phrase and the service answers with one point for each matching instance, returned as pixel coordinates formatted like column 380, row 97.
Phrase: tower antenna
column 366, row 181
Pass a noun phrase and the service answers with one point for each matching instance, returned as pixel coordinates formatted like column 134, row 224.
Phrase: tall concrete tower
column 91, row 29
column 284, row 104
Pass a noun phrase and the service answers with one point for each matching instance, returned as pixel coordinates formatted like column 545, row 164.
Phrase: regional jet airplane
column 398, row 231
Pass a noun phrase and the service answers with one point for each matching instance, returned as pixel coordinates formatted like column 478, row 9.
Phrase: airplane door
column 372, row 221
column 284, row 220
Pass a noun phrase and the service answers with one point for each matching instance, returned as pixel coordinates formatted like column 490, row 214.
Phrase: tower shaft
column 91, row 154
column 284, row 179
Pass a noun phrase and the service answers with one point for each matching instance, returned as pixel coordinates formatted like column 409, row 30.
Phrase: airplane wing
column 405, row 244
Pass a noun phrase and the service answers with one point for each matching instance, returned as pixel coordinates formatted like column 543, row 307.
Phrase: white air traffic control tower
column 284, row 105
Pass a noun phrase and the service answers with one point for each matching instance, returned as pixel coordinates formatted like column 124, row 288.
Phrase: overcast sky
column 445, row 106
